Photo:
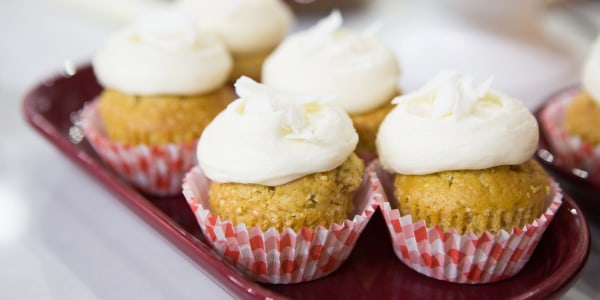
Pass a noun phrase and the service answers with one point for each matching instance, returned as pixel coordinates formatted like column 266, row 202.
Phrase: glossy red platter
column 584, row 191
column 372, row 271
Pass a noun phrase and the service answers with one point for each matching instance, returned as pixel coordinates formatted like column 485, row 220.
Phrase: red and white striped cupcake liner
column 280, row 257
column 154, row 169
column 453, row 257
column 571, row 151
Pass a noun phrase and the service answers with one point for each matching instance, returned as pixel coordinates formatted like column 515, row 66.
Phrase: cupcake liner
column 280, row 257
column 453, row 257
column 154, row 169
column 570, row 151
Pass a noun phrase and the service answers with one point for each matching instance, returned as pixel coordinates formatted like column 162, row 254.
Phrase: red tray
column 372, row 270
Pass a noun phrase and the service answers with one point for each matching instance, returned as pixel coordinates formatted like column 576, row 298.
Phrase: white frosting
column 591, row 72
column 245, row 26
column 451, row 124
column 162, row 54
column 271, row 139
column 360, row 70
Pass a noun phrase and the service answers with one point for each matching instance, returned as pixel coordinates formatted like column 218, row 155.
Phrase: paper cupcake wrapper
column 278, row 257
column 154, row 169
column 571, row 151
column 453, row 257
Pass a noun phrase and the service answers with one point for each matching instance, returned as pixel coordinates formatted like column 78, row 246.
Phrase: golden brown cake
column 583, row 118
column 316, row 199
column 461, row 155
column 248, row 64
column 461, row 180
column 132, row 119
column 358, row 71
column 277, row 163
column 479, row 200
column 163, row 80
column 367, row 124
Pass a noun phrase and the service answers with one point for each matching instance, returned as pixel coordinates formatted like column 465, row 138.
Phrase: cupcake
column 280, row 169
column 251, row 29
column 163, row 83
column 572, row 121
column 457, row 160
column 356, row 69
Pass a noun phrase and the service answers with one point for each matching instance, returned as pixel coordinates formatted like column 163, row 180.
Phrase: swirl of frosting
column 591, row 72
column 271, row 139
column 245, row 26
column 358, row 69
column 162, row 54
column 451, row 124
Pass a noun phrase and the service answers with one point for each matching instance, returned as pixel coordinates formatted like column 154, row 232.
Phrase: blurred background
column 61, row 239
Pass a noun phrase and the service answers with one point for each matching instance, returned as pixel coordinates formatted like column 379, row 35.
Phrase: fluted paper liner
column 280, row 257
column 453, row 257
column 571, row 151
column 154, row 169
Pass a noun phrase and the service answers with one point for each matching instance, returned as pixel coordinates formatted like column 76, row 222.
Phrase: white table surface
column 63, row 236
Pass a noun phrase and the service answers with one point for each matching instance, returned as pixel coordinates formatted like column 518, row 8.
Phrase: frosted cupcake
column 358, row 70
column 572, row 121
column 251, row 29
column 163, row 83
column 458, row 162
column 280, row 167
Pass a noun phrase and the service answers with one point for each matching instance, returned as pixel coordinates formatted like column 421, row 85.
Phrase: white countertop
column 63, row 236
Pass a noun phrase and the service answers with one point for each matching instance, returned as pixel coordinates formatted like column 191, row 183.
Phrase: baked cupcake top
column 270, row 138
column 359, row 69
column 453, row 124
column 591, row 72
column 162, row 54
column 245, row 26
